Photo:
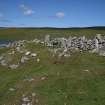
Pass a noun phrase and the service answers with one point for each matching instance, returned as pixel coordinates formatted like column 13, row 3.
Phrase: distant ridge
column 93, row 27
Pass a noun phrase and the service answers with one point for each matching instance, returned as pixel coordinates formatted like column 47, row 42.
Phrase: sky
column 52, row 13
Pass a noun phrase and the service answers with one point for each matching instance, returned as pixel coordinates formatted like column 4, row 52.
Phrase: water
column 4, row 43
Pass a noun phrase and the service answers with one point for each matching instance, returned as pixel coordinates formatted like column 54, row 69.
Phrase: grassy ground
column 78, row 80
column 31, row 33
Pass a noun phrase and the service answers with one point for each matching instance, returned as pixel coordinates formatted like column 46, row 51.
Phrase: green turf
column 22, row 33
column 67, row 81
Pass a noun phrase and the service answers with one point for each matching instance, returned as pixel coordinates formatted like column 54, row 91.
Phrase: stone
column 1, row 57
column 31, row 79
column 43, row 78
column 36, row 41
column 36, row 100
column 27, row 53
column 61, row 54
column 102, row 53
column 96, row 44
column 12, row 89
column 94, row 51
column 33, row 54
column 24, row 104
column 38, row 60
column 86, row 70
column 24, row 59
column 12, row 53
column 47, row 40
column 65, row 50
column 69, row 42
column 18, row 49
column 63, row 43
column 66, row 55
column 13, row 66
column 33, row 94
column 25, row 99
column 3, row 62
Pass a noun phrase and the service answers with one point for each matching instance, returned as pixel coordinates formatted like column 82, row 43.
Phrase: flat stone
column 1, row 57
column 86, row 70
column 36, row 100
column 33, row 54
column 33, row 94
column 13, row 66
column 38, row 60
column 12, row 89
column 27, row 53
column 66, row 55
column 43, row 78
column 25, row 99
column 3, row 63
column 24, row 59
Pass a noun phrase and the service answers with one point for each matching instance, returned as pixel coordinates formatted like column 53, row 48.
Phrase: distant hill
column 94, row 27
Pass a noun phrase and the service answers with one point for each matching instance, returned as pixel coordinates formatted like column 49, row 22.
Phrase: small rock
column 13, row 66
column 66, row 55
column 33, row 54
column 23, row 59
column 27, row 53
column 12, row 53
column 36, row 100
column 3, row 63
column 33, row 94
column 86, row 70
column 38, row 60
column 26, row 99
column 12, row 89
column 43, row 78
column 1, row 57
column 31, row 79
column 24, row 104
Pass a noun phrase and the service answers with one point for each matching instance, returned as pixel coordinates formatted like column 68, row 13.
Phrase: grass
column 78, row 80
column 30, row 33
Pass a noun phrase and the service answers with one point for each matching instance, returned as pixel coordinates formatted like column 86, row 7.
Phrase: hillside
column 30, row 33
column 77, row 80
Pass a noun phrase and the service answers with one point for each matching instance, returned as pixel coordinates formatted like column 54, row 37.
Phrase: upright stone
column 69, row 42
column 47, row 40
column 99, row 38
column 96, row 44
column 64, row 43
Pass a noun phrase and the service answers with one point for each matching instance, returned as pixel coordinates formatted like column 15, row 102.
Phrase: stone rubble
column 24, row 59
column 33, row 54
column 13, row 66
column 76, row 44
column 29, row 79
column 29, row 100
column 18, row 47
column 61, row 47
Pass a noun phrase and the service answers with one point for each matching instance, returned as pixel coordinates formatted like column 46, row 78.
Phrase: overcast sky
column 52, row 13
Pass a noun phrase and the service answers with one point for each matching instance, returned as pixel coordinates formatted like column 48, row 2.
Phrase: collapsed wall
column 60, row 47
column 95, row 45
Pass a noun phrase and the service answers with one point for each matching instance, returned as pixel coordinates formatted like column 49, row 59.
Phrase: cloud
column 60, row 14
column 26, row 10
